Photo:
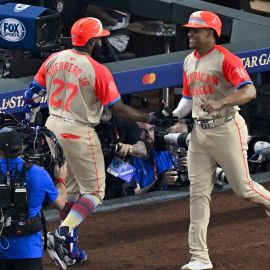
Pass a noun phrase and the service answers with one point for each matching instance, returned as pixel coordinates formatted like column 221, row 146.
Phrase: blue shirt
column 38, row 186
column 144, row 174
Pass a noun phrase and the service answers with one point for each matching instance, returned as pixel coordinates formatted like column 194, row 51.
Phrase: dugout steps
column 150, row 198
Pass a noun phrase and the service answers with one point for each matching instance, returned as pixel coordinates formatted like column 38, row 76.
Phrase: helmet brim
column 104, row 33
column 194, row 25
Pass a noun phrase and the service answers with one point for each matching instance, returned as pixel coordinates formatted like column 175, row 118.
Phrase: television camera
column 35, row 147
column 177, row 144
column 258, row 153
column 14, row 219
column 258, row 150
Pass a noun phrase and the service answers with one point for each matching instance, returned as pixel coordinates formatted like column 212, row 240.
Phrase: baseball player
column 214, row 83
column 77, row 89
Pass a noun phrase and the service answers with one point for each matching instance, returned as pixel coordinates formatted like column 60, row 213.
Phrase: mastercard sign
column 149, row 78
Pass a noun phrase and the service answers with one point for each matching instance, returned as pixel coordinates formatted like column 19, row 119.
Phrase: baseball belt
column 212, row 123
column 73, row 121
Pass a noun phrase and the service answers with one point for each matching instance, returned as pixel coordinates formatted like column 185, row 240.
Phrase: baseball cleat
column 197, row 265
column 56, row 249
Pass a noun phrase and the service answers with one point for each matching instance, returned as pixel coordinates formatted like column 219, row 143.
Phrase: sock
column 71, row 242
column 80, row 210
column 63, row 213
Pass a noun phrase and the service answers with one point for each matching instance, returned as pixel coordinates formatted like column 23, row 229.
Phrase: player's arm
column 244, row 94
column 32, row 98
column 125, row 111
column 237, row 75
column 34, row 93
column 106, row 91
column 184, row 107
column 154, row 118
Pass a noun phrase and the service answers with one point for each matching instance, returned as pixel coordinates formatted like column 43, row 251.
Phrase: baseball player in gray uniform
column 77, row 88
column 215, row 82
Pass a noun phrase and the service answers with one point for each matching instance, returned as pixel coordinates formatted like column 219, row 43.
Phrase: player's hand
column 170, row 177
column 211, row 105
column 159, row 119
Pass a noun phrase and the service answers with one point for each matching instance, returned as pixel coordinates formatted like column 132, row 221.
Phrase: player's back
column 70, row 81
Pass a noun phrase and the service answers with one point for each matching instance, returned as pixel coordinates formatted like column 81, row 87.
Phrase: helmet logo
column 214, row 20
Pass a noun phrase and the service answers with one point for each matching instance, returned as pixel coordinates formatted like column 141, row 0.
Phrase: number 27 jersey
column 77, row 86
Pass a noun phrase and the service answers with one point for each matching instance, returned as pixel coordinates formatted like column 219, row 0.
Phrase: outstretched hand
column 162, row 117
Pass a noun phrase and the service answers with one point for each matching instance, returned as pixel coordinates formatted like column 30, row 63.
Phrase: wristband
column 59, row 180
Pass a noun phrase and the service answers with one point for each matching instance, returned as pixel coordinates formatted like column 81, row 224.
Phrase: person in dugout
column 156, row 171
column 23, row 188
column 77, row 88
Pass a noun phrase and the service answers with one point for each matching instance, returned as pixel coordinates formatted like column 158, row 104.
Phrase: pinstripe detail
column 95, row 163
column 246, row 166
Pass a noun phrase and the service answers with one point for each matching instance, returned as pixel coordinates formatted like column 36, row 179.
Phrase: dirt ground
column 155, row 236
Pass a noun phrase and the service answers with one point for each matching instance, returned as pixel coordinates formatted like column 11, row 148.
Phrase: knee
column 94, row 198
column 244, row 194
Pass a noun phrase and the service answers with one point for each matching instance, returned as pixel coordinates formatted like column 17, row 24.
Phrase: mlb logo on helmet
column 12, row 30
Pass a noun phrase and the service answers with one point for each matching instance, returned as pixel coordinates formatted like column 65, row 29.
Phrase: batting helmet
column 205, row 19
column 86, row 28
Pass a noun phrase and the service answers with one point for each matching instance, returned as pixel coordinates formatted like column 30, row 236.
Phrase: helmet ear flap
column 92, row 42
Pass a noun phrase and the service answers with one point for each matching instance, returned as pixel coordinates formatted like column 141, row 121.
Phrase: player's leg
column 232, row 157
column 85, row 159
column 201, row 170
column 89, row 170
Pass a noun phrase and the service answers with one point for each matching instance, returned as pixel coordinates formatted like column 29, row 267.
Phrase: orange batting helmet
column 205, row 19
column 86, row 28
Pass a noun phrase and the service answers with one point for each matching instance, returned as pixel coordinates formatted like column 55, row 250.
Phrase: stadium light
column 28, row 27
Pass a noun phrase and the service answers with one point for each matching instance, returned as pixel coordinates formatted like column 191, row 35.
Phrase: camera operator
column 119, row 138
column 23, row 188
column 156, row 171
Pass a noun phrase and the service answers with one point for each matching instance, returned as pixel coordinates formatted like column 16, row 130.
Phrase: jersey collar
column 196, row 54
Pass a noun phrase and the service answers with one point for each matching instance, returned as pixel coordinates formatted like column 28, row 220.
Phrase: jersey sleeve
column 185, row 93
column 40, row 77
column 234, row 71
column 105, row 87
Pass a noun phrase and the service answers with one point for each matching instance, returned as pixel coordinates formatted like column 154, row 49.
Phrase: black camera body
column 5, row 195
column 109, row 148
column 34, row 139
column 14, row 207
column 182, row 180
column 163, row 140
